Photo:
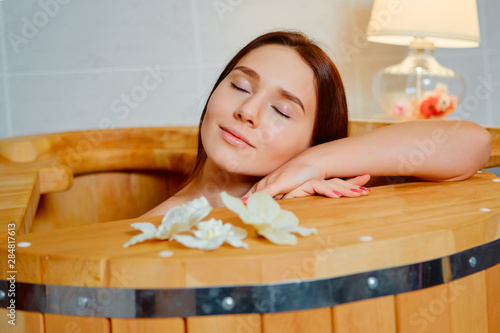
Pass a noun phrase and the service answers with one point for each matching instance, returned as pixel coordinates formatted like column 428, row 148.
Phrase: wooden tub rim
column 245, row 299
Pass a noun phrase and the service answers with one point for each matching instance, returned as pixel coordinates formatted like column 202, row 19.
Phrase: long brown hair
column 332, row 115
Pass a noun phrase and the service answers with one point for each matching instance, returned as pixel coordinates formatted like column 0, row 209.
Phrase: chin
column 241, row 167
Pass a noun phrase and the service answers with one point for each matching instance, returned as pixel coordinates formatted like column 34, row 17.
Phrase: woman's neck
column 213, row 180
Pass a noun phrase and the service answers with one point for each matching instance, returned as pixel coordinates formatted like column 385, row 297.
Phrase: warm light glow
column 446, row 23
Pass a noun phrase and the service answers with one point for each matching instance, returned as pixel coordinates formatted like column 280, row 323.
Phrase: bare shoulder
column 164, row 207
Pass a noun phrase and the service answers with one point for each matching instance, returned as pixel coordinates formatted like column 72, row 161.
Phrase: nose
column 250, row 112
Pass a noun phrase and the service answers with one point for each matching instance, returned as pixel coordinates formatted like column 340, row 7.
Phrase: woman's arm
column 428, row 149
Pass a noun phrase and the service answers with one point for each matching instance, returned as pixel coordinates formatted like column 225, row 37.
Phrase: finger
column 315, row 186
column 249, row 193
column 276, row 187
column 273, row 190
column 257, row 187
column 359, row 180
column 297, row 193
column 346, row 188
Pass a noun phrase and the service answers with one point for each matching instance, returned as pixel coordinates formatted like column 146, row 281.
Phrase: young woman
column 276, row 121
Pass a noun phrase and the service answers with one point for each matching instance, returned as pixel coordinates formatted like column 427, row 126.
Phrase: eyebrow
column 286, row 94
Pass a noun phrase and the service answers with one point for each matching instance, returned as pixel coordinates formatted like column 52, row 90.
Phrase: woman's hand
column 288, row 177
column 299, row 178
column 332, row 188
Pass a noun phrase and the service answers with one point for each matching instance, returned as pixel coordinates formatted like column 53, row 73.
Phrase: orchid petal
column 303, row 231
column 183, row 218
column 263, row 205
column 279, row 237
column 145, row 227
column 139, row 238
column 237, row 243
column 202, row 244
column 177, row 219
column 267, row 217
column 212, row 234
column 285, row 219
column 233, row 204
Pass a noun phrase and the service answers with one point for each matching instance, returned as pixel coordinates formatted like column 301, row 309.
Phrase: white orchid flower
column 266, row 215
column 212, row 234
column 177, row 219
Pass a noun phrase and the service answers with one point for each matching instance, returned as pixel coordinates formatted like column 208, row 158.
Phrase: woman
column 276, row 121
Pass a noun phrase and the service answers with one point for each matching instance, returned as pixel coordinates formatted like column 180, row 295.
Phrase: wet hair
column 331, row 122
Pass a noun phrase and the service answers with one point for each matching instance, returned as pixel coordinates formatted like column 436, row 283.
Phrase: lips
column 235, row 138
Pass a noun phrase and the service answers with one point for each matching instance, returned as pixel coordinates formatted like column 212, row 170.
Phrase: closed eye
column 238, row 88
column 281, row 113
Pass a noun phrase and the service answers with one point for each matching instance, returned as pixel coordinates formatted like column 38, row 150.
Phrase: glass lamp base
column 418, row 87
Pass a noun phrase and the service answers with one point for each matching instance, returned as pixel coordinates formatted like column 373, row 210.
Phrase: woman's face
column 262, row 114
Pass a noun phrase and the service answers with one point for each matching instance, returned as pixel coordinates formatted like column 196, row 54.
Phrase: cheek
column 285, row 142
column 214, row 111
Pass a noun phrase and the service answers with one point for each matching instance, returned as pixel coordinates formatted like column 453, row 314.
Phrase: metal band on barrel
column 261, row 298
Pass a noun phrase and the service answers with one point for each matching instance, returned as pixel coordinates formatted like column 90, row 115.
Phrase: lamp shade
column 446, row 23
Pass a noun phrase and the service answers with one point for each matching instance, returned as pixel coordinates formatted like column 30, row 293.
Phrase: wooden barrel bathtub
column 410, row 257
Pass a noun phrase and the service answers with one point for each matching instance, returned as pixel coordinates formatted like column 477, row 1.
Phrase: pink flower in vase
column 399, row 109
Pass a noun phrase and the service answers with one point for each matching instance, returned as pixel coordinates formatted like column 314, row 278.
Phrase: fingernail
column 338, row 193
column 364, row 189
column 365, row 174
column 356, row 190
column 244, row 200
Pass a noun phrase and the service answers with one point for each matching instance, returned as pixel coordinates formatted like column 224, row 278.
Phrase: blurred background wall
column 88, row 64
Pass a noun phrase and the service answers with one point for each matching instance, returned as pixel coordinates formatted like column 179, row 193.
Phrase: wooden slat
column 316, row 320
column 371, row 315
column 148, row 325
column 468, row 311
column 25, row 322
column 52, row 175
column 425, row 310
column 224, row 323
column 137, row 192
column 61, row 323
column 19, row 195
column 493, row 295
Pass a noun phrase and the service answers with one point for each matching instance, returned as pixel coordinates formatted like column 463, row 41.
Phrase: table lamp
column 419, row 87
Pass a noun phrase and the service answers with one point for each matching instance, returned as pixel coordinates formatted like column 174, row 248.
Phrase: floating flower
column 266, row 215
column 212, row 234
column 177, row 219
